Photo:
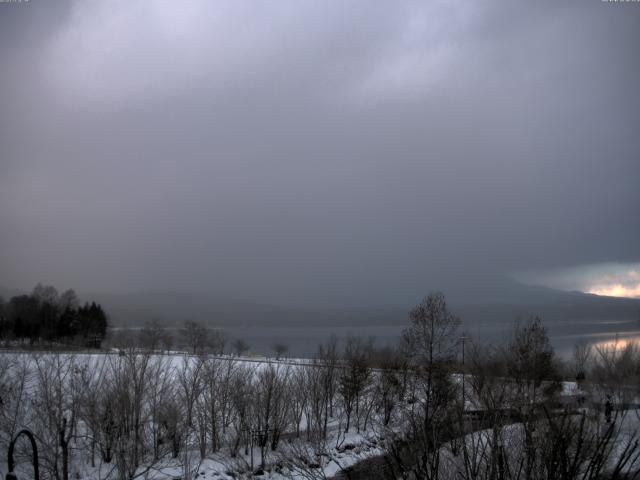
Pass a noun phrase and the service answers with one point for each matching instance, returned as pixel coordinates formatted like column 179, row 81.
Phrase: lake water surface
column 303, row 341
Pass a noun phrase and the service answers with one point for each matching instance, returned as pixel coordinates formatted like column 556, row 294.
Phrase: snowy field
column 50, row 389
column 117, row 415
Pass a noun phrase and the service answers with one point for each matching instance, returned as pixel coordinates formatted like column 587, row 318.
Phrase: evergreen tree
column 44, row 315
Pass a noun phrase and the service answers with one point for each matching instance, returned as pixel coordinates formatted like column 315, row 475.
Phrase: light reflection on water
column 303, row 341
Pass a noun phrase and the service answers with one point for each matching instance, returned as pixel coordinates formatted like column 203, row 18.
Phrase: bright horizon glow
column 616, row 344
column 616, row 291
column 606, row 279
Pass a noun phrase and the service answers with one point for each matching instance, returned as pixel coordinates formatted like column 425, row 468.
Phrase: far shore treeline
column 45, row 316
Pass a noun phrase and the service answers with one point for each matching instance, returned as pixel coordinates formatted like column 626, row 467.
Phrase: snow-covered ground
column 339, row 450
column 294, row 458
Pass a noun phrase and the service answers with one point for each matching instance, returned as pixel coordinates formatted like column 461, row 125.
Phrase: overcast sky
column 314, row 151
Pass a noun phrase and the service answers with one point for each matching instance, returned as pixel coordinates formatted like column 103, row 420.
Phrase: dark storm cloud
column 315, row 152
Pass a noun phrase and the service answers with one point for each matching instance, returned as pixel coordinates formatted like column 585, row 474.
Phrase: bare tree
column 299, row 397
column 390, row 383
column 616, row 370
column 171, row 427
column 125, row 414
column 319, row 385
column 280, row 349
column 92, row 393
column 68, row 300
column 14, row 401
column 240, row 347
column 430, row 344
column 354, row 376
column 530, row 358
column 209, row 404
column 328, row 358
column 530, row 364
column 160, row 389
column 56, row 403
column 195, row 336
column 242, row 392
column 167, row 340
column 271, row 406
column 582, row 355
column 217, row 341
column 189, row 389
column 215, row 404
column 564, row 446
column 309, row 461
column 491, row 393
column 151, row 334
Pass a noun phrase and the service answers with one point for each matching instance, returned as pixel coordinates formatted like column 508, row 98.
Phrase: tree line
column 499, row 414
column 46, row 317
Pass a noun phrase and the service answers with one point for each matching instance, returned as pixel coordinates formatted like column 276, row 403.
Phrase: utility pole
column 463, row 338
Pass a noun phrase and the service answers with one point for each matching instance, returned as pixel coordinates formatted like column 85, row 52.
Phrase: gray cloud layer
column 320, row 152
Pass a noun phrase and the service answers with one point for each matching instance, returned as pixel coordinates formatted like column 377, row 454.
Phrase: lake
column 303, row 341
